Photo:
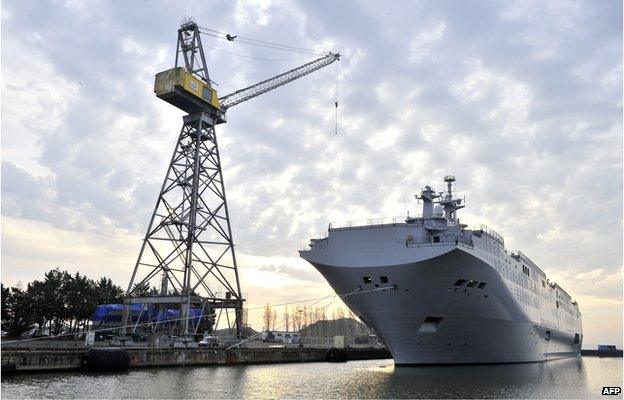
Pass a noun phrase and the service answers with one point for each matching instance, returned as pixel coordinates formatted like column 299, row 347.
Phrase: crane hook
column 336, row 103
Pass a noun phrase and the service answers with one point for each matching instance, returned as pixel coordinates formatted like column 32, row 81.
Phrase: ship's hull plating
column 425, row 319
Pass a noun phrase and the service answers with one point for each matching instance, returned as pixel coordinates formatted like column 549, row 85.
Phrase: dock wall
column 41, row 360
column 602, row 353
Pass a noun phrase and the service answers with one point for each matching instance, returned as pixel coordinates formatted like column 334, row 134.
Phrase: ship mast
column 450, row 204
column 427, row 195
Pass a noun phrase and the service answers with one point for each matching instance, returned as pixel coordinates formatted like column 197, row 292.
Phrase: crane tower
column 188, row 248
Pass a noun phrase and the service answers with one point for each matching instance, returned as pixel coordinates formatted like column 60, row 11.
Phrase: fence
column 428, row 241
column 368, row 223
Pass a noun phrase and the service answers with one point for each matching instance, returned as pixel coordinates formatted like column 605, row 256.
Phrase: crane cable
column 270, row 45
column 336, row 95
column 226, row 36
column 336, row 105
column 254, row 57
column 257, row 42
column 336, row 120
column 315, row 53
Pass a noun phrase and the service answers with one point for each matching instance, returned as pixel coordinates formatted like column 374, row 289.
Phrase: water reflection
column 570, row 378
column 491, row 381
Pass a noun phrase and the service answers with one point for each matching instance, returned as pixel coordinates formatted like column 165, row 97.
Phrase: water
column 570, row 378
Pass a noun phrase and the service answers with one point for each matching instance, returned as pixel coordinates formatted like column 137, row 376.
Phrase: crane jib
column 267, row 85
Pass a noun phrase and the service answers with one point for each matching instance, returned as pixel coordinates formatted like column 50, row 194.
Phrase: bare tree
column 297, row 319
column 245, row 317
column 287, row 318
column 341, row 317
column 320, row 317
column 267, row 317
column 274, row 320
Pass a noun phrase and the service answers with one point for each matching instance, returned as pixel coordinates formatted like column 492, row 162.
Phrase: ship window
column 436, row 239
column 383, row 279
column 460, row 282
column 367, row 279
column 472, row 284
column 557, row 304
column 481, row 285
column 576, row 338
column 547, row 335
column 543, row 283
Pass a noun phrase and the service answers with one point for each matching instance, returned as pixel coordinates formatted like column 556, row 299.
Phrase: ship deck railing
column 368, row 223
column 491, row 233
column 520, row 256
column 445, row 241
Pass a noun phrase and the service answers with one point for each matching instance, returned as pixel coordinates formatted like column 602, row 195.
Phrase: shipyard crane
column 252, row 91
column 188, row 247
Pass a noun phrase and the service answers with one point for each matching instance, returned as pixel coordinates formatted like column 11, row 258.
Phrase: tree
column 21, row 315
column 84, row 300
column 267, row 317
column 341, row 317
column 40, row 304
column 141, row 289
column 273, row 320
column 6, row 294
column 60, row 300
column 296, row 318
column 57, row 296
column 108, row 292
column 304, row 316
column 286, row 318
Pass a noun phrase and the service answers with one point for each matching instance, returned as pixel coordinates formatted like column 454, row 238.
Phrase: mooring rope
column 342, row 296
column 316, row 301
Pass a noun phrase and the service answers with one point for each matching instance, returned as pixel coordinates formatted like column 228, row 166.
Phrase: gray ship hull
column 424, row 318
column 439, row 293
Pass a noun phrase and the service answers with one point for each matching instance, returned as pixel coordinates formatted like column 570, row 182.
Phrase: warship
column 437, row 292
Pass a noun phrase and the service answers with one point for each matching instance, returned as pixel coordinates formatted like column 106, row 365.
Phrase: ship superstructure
column 437, row 292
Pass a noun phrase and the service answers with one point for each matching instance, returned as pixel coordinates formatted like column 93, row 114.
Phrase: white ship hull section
column 424, row 318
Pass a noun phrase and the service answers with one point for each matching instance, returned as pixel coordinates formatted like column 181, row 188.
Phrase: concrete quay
column 55, row 359
column 601, row 353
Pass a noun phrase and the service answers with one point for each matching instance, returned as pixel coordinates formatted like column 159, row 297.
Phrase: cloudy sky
column 521, row 101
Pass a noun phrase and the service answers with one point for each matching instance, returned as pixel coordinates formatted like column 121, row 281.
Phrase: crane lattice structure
column 188, row 247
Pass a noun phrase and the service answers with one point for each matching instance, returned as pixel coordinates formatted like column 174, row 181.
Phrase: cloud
column 522, row 101
column 421, row 46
